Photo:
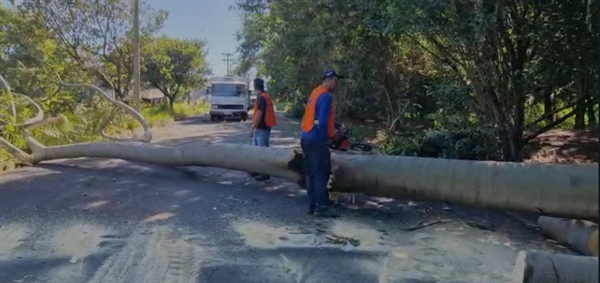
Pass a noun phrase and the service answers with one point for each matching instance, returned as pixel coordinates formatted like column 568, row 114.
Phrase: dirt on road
column 111, row 221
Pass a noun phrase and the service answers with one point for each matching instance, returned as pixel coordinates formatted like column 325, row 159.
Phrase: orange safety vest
column 269, row 116
column 309, row 120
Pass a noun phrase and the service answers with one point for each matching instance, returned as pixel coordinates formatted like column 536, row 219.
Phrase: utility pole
column 136, row 55
column 227, row 60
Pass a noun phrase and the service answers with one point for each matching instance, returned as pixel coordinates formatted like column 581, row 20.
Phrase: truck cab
column 229, row 98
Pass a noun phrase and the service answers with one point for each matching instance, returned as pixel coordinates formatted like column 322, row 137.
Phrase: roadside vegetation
column 486, row 80
column 93, row 47
column 512, row 81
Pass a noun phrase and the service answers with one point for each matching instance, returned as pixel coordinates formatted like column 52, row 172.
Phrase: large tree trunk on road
column 580, row 236
column 569, row 191
column 276, row 162
column 560, row 190
column 542, row 267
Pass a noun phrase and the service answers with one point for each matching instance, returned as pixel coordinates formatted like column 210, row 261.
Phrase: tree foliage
column 175, row 66
column 514, row 68
column 86, row 41
column 96, row 34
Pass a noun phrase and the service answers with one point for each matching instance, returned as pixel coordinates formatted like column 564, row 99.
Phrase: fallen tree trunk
column 569, row 191
column 276, row 162
column 543, row 267
column 560, row 190
column 580, row 236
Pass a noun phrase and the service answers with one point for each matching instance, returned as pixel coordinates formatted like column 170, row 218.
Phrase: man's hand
column 252, row 132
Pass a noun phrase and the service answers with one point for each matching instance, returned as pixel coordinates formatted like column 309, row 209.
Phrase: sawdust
column 158, row 217
column 78, row 240
column 442, row 257
column 439, row 255
column 261, row 235
column 75, row 243
column 154, row 255
column 370, row 238
column 347, row 235
column 285, row 266
column 11, row 237
column 95, row 204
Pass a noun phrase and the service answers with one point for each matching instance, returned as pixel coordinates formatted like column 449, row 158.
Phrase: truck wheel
column 213, row 118
column 244, row 117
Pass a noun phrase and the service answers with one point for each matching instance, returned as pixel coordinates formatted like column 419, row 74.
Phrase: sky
column 210, row 20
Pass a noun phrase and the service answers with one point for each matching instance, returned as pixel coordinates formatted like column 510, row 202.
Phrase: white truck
column 229, row 98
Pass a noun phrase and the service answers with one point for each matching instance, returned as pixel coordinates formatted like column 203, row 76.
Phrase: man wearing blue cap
column 318, row 128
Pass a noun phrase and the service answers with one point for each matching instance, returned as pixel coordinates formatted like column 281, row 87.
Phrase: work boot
column 262, row 178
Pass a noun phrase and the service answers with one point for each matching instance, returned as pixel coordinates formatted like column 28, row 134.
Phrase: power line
column 227, row 60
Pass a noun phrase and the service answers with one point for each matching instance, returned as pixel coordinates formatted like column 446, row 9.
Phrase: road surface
column 105, row 221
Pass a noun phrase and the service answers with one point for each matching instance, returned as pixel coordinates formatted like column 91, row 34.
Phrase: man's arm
column 262, row 108
column 324, row 106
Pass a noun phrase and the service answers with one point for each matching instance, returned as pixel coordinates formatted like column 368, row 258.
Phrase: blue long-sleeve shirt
column 322, row 108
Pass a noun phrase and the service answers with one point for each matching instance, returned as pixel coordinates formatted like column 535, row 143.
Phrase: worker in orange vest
column 318, row 128
column 262, row 121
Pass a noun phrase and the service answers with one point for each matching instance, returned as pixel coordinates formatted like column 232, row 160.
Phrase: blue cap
column 330, row 74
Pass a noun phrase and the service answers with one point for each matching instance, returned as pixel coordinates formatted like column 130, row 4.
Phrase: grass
column 161, row 115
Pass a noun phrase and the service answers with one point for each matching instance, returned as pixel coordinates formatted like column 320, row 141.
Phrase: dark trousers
column 317, row 168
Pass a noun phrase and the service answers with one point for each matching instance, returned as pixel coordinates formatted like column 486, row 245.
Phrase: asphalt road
column 105, row 221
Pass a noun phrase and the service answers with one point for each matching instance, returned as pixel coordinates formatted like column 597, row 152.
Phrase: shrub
column 406, row 145
column 295, row 111
column 161, row 114
column 468, row 144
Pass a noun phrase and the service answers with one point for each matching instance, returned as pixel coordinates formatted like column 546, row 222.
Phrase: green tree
column 175, row 66
column 518, row 68
column 95, row 34
column 31, row 58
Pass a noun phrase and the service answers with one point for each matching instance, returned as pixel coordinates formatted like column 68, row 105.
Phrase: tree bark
column 579, row 116
column 582, row 94
column 591, row 114
column 543, row 267
column 549, row 114
column 171, row 102
column 580, row 236
column 559, row 190
column 511, row 143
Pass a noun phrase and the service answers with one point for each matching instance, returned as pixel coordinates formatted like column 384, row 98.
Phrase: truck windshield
column 228, row 90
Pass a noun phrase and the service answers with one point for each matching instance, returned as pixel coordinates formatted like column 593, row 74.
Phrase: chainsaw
column 341, row 141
